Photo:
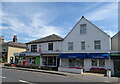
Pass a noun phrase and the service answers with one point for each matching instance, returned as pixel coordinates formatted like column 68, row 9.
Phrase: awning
column 86, row 55
column 28, row 54
column 80, row 55
column 115, row 55
column 98, row 56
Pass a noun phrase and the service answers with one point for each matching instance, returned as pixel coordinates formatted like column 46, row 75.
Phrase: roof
column 117, row 34
column 50, row 38
column 89, row 22
column 3, row 43
column 16, row 44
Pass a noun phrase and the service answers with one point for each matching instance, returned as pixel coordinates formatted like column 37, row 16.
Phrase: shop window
column 83, row 29
column 44, row 60
column 71, row 62
column 49, row 61
column 83, row 45
column 97, row 45
column 70, row 45
column 94, row 62
column 98, row 62
column 33, row 61
column 33, row 48
column 50, row 46
column 101, row 63
column 76, row 62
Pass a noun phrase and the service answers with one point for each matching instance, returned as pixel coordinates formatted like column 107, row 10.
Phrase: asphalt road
column 12, row 75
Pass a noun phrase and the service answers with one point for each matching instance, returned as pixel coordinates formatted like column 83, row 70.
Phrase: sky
column 34, row 20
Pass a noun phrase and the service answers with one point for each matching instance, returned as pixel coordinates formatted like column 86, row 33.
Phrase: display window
column 49, row 60
column 76, row 62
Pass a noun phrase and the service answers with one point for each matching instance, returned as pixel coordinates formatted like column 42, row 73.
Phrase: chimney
column 15, row 39
column 2, row 39
column 82, row 16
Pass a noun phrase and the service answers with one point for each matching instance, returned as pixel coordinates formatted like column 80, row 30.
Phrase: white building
column 43, row 52
column 86, row 46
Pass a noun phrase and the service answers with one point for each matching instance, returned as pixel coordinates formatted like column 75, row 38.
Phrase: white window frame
column 70, row 45
column 82, row 45
column 97, row 44
column 83, row 29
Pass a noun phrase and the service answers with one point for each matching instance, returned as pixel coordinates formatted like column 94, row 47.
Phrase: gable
column 91, row 28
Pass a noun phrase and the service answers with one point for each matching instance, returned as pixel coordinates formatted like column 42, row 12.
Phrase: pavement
column 86, row 77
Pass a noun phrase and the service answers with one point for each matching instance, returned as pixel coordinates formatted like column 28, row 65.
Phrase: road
column 12, row 75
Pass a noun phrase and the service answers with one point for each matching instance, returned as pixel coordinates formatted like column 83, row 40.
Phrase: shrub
column 7, row 64
column 98, row 70
column 75, row 67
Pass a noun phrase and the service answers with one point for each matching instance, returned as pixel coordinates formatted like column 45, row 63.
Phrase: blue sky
column 33, row 20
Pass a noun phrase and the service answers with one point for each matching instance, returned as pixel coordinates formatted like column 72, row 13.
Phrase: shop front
column 87, row 61
column 49, row 60
column 32, row 59
column 116, row 60
column 72, row 62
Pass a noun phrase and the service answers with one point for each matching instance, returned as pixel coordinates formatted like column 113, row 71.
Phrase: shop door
column 117, row 67
column 11, row 60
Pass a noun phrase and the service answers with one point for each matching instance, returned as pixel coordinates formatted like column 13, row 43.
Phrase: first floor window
column 50, row 46
column 83, row 45
column 33, row 48
column 97, row 45
column 70, row 45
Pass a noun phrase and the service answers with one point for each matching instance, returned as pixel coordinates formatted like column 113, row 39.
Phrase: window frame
column 82, row 46
column 97, row 44
column 34, row 49
column 46, row 61
column 83, row 30
column 70, row 45
column 50, row 48
column 101, row 62
column 98, row 63
column 76, row 62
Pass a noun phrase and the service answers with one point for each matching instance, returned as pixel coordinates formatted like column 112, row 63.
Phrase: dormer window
column 83, row 29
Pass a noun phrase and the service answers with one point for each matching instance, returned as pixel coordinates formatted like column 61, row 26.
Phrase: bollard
column 108, row 73
column 81, row 71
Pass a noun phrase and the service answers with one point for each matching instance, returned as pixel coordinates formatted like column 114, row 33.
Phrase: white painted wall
column 88, row 64
column 93, row 33
column 44, row 46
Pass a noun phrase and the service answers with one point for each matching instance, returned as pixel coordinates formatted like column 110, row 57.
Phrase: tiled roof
column 16, row 44
column 50, row 38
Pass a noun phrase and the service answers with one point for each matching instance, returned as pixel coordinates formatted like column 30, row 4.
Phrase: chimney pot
column 15, row 38
column 2, row 38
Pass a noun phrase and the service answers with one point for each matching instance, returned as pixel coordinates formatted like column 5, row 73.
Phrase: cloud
column 1, row 27
column 103, row 12
column 37, row 27
column 109, row 32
